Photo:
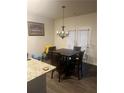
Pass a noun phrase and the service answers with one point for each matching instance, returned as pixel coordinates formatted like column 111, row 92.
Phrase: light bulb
column 62, row 32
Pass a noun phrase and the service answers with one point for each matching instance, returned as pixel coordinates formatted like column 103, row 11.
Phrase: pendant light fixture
column 63, row 33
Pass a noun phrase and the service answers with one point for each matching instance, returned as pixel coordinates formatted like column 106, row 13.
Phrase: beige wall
column 36, row 44
column 89, row 20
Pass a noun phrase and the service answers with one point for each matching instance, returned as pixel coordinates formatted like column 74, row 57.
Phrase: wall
column 89, row 20
column 36, row 44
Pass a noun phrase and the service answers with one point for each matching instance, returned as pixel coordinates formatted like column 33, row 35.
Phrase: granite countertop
column 35, row 69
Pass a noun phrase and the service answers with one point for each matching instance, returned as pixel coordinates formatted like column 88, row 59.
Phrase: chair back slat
column 77, row 48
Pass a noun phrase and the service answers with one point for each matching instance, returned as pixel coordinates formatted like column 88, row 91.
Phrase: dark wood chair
column 77, row 48
column 78, row 61
column 57, row 61
column 51, row 49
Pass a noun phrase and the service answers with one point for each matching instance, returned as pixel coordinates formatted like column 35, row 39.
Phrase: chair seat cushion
column 37, row 56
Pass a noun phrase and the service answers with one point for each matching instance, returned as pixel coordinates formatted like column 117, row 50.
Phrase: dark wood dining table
column 67, row 55
column 66, row 52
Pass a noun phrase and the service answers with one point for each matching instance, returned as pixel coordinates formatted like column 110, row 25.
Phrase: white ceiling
column 52, row 8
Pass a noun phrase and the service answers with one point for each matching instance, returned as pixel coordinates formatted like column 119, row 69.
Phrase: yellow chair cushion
column 46, row 50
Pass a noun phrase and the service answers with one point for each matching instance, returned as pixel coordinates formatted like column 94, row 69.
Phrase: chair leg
column 59, row 77
column 78, row 72
column 52, row 74
column 81, row 70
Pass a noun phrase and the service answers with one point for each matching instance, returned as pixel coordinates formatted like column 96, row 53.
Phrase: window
column 79, row 37
column 71, row 39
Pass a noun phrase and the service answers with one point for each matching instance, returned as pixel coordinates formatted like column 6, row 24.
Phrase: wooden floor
column 88, row 84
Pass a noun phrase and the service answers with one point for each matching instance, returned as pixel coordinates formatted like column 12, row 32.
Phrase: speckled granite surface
column 35, row 68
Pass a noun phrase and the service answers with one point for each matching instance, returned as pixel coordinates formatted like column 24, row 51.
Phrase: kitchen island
column 36, row 76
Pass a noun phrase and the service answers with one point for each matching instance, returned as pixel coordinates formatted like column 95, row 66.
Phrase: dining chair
column 77, row 48
column 51, row 49
column 56, row 60
column 78, row 61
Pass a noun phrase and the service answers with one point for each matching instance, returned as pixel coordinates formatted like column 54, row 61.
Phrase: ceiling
column 52, row 8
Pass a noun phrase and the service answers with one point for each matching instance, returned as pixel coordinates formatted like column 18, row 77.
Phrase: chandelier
column 63, row 33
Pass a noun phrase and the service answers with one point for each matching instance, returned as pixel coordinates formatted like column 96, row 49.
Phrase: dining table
column 66, row 52
column 67, row 56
